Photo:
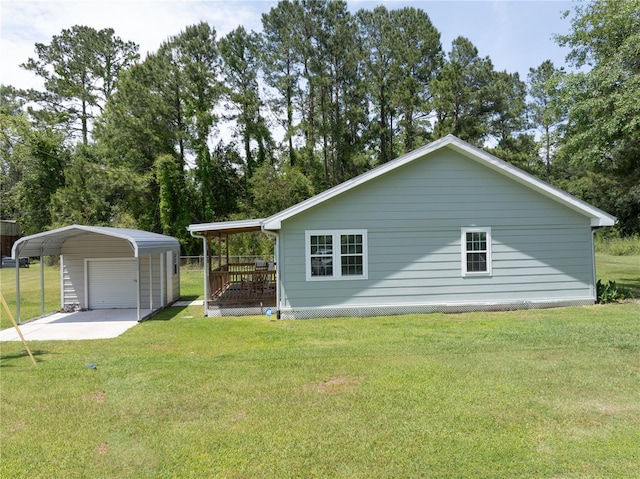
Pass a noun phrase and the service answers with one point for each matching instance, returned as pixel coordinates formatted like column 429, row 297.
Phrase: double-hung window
column 476, row 251
column 336, row 254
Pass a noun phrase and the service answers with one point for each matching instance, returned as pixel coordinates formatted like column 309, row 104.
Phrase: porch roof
column 227, row 227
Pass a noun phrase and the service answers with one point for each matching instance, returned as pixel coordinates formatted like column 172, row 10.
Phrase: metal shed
column 107, row 268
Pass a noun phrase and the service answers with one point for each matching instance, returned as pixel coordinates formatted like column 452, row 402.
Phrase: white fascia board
column 225, row 225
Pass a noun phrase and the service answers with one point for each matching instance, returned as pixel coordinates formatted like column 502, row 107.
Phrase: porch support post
column 205, row 239
column 41, row 285
column 226, row 245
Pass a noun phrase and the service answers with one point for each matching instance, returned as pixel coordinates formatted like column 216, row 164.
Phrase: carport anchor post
column 15, row 325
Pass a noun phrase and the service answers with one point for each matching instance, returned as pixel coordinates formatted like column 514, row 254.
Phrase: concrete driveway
column 96, row 324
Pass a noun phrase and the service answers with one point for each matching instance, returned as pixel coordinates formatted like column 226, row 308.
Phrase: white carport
column 107, row 268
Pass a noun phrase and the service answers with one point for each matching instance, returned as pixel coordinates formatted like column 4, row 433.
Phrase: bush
column 610, row 292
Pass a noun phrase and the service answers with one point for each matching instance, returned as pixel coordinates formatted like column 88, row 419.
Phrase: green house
column 447, row 227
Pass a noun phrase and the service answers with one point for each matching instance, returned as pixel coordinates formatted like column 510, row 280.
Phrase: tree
column 547, row 111
column 376, row 29
column 85, row 196
column 281, row 65
column 602, row 143
column 165, row 106
column 241, row 63
column 80, row 68
column 32, row 162
column 275, row 190
column 462, row 94
column 417, row 59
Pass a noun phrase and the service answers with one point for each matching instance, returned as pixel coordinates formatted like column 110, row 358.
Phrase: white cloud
column 147, row 23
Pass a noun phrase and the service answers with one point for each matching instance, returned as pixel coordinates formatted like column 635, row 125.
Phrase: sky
column 515, row 34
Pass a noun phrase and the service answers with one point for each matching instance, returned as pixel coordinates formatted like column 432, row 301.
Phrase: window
column 476, row 251
column 336, row 254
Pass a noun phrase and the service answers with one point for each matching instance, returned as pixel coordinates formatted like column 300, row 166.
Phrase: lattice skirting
column 240, row 311
column 367, row 311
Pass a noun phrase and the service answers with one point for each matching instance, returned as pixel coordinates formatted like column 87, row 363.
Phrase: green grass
column 624, row 270
column 30, row 306
column 191, row 284
column 531, row 394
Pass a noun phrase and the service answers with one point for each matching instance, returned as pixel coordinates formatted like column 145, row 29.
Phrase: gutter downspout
column 276, row 253
column 593, row 262
column 206, row 269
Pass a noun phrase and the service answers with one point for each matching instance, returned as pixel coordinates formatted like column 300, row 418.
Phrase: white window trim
column 337, row 270
column 463, row 251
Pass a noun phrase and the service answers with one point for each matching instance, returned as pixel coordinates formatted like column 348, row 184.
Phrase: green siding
column 413, row 215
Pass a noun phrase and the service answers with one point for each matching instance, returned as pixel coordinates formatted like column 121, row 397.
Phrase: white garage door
column 112, row 284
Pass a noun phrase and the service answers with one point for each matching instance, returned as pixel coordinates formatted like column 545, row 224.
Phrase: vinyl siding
column 413, row 217
column 145, row 281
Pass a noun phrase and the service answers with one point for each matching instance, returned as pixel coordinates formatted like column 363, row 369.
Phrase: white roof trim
column 50, row 242
column 226, row 225
column 598, row 217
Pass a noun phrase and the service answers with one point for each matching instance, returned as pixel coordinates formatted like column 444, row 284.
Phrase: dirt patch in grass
column 102, row 448
column 337, row 384
column 99, row 397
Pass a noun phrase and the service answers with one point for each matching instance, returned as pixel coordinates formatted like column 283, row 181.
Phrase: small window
column 476, row 251
column 336, row 254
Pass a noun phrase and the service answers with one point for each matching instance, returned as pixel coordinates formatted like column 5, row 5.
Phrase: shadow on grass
column 189, row 297
column 630, row 284
column 10, row 360
column 167, row 314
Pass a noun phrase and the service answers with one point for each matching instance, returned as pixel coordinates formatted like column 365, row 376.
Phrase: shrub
column 610, row 292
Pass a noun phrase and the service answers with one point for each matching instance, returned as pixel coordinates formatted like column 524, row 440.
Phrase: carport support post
column 18, row 289
column 41, row 285
column 151, row 282
column 138, row 285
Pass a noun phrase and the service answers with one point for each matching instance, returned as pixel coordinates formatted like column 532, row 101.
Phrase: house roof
column 50, row 242
column 598, row 217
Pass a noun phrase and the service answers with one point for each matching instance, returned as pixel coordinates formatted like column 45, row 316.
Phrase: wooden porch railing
column 242, row 282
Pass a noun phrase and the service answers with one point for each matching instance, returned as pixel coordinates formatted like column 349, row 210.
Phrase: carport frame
column 143, row 243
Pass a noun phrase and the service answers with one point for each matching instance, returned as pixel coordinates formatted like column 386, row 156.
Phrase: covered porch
column 235, row 286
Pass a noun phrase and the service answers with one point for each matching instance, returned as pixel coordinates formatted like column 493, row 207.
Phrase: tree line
column 209, row 129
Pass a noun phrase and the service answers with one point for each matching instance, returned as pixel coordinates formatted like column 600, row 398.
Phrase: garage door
column 112, row 284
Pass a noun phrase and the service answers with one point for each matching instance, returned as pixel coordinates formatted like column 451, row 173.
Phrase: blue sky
column 516, row 35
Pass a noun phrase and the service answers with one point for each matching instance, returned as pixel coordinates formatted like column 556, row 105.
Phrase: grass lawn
column 547, row 393
column 532, row 394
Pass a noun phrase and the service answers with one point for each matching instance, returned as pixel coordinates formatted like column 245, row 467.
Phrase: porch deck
column 241, row 288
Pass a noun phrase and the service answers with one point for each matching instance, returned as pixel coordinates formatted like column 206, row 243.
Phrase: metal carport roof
column 50, row 242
